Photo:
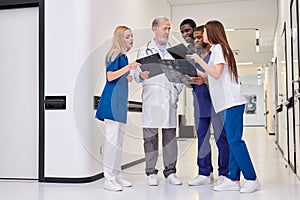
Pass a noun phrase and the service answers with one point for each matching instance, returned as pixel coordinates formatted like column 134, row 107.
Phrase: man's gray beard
column 163, row 41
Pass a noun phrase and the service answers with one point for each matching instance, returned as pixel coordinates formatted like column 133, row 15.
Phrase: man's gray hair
column 158, row 20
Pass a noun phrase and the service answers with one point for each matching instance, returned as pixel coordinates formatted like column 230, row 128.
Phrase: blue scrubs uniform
column 113, row 102
column 204, row 115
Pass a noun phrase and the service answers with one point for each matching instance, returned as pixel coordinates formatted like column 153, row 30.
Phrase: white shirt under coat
column 225, row 92
column 159, row 96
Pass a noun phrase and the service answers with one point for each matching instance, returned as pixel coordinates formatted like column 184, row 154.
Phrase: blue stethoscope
column 150, row 51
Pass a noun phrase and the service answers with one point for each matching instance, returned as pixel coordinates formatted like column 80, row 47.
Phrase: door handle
column 55, row 102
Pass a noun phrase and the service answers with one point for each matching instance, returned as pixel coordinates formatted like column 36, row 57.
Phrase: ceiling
column 245, row 16
column 185, row 2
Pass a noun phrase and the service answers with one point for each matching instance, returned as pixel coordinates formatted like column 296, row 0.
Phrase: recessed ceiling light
column 245, row 63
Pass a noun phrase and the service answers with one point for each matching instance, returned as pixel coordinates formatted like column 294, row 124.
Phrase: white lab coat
column 159, row 96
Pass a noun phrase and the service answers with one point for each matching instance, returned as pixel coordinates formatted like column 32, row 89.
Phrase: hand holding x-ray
column 144, row 74
column 198, row 80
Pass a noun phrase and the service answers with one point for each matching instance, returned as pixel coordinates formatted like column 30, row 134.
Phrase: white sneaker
column 220, row 180
column 112, row 185
column 228, row 185
column 124, row 183
column 201, row 180
column 173, row 179
column 250, row 186
column 152, row 180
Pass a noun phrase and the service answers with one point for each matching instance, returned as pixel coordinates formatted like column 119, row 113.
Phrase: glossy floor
column 277, row 179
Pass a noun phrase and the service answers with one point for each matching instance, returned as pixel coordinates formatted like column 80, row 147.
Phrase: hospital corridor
column 71, row 82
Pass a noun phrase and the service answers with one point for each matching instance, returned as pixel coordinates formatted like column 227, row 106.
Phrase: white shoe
column 173, row 179
column 112, row 185
column 152, row 180
column 228, row 185
column 250, row 186
column 201, row 180
column 124, row 183
column 220, row 180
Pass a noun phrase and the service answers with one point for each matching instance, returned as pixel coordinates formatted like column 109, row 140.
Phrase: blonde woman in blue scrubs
column 112, row 108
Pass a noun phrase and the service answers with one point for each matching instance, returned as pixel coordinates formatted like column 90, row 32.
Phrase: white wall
column 284, row 17
column 77, row 38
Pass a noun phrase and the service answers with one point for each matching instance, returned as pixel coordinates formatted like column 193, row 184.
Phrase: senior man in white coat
column 160, row 99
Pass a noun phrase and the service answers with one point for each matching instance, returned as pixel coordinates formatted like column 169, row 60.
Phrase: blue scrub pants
column 239, row 158
column 204, row 149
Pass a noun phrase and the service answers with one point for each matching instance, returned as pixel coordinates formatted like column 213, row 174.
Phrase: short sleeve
column 218, row 55
column 114, row 65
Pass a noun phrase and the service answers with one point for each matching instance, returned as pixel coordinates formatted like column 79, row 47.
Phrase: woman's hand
column 195, row 57
column 133, row 65
column 129, row 78
column 144, row 74
column 198, row 80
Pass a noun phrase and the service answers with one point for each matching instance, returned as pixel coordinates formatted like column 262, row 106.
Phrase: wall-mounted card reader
column 55, row 102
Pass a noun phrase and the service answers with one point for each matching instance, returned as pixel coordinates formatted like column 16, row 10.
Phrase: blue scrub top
column 113, row 102
column 202, row 101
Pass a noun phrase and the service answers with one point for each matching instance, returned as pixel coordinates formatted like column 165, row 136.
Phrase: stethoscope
column 150, row 51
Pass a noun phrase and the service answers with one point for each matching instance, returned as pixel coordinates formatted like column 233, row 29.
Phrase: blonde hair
column 118, row 44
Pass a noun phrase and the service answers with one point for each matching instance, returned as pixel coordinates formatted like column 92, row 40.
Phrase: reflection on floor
column 277, row 179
